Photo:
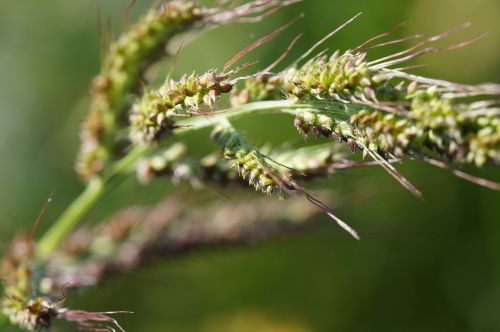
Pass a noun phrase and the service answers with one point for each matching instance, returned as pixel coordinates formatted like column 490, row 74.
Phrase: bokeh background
column 421, row 266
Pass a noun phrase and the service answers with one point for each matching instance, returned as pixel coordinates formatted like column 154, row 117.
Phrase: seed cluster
column 455, row 129
column 20, row 302
column 321, row 124
column 16, row 274
column 251, row 164
column 387, row 132
column 259, row 88
column 437, row 128
column 28, row 299
column 343, row 77
column 153, row 116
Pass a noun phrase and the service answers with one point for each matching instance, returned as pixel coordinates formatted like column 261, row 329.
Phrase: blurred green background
column 421, row 266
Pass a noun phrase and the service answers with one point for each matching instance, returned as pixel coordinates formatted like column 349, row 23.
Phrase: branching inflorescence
column 407, row 119
column 385, row 112
column 369, row 105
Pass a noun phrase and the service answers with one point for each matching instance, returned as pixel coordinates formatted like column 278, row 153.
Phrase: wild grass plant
column 133, row 128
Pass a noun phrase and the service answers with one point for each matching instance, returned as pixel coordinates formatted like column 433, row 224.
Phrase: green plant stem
column 281, row 106
column 123, row 165
column 70, row 217
column 83, row 203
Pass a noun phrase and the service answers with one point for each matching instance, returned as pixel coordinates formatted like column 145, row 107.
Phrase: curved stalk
column 70, row 218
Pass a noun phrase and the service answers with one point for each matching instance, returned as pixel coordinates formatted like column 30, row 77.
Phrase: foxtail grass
column 374, row 106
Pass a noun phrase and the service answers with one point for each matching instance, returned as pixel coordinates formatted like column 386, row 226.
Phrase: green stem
column 70, row 218
column 83, row 203
column 280, row 106
column 200, row 122
column 123, row 165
